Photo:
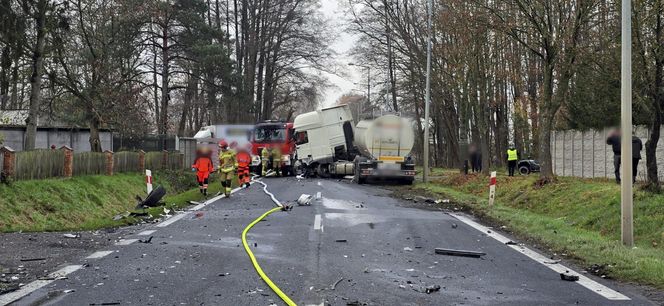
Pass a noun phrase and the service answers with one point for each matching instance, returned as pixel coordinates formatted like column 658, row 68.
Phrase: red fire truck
column 274, row 133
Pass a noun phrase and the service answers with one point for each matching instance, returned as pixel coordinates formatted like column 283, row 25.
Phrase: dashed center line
column 99, row 254
column 126, row 241
column 318, row 223
column 146, row 233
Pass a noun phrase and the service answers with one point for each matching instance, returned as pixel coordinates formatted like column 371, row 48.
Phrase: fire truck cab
column 274, row 133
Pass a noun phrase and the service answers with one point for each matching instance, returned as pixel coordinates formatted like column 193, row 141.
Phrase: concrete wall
column 586, row 154
column 76, row 139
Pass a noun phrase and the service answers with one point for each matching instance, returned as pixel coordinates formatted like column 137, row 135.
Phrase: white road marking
column 126, row 241
column 31, row 287
column 172, row 220
column 146, row 233
column 99, row 254
column 318, row 222
column 584, row 281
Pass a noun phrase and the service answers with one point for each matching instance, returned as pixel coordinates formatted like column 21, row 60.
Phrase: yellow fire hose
column 262, row 274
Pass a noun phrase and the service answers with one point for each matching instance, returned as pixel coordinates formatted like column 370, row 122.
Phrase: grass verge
column 88, row 202
column 576, row 217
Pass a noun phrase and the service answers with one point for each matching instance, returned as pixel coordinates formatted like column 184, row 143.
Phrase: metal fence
column 187, row 146
column 586, row 154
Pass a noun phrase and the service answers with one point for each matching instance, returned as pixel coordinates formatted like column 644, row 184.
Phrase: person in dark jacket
column 637, row 146
column 475, row 158
column 614, row 141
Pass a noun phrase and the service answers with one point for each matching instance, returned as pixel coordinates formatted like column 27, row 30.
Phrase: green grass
column 87, row 202
column 577, row 217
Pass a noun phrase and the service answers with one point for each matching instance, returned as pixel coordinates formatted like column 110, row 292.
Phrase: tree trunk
column 95, row 142
column 36, row 78
column 5, row 67
column 657, row 101
column 547, row 113
column 165, row 74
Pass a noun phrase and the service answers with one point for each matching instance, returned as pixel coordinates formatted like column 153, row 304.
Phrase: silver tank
column 387, row 138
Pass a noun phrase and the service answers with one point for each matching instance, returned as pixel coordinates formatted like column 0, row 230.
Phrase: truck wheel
column 356, row 174
column 524, row 170
column 323, row 171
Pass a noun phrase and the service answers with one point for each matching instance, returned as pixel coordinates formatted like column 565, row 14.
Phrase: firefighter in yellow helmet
column 266, row 153
column 227, row 166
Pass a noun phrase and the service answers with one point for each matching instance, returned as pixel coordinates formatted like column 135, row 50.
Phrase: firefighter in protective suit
column 276, row 160
column 227, row 166
column 265, row 157
column 243, row 157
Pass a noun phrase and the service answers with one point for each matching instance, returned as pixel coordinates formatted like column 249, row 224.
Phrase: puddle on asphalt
column 341, row 204
column 351, row 219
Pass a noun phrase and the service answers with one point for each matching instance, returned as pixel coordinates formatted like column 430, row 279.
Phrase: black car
column 527, row 166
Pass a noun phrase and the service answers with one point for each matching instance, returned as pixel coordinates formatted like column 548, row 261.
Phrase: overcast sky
column 342, row 45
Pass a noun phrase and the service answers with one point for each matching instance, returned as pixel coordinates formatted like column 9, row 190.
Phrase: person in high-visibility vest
column 203, row 167
column 243, row 157
column 512, row 159
column 227, row 166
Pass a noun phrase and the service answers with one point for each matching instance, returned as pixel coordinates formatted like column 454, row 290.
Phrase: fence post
column 68, row 170
column 9, row 161
column 109, row 162
column 141, row 161
column 164, row 160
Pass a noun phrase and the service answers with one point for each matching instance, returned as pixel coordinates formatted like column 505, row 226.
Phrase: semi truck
column 328, row 144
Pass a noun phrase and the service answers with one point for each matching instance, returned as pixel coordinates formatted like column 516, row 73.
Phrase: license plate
column 385, row 166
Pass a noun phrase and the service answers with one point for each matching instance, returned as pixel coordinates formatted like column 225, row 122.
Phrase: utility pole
column 626, row 192
column 425, row 177
column 368, row 85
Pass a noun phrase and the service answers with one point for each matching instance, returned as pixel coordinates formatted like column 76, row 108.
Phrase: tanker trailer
column 329, row 145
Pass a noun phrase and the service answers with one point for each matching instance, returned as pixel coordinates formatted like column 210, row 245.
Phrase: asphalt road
column 355, row 244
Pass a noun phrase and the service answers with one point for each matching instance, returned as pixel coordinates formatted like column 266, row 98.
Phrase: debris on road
column 33, row 259
column 432, row 289
column 341, row 240
column 72, row 236
column 464, row 253
column 153, row 199
column 304, row 199
column 198, row 215
column 149, row 240
column 68, row 290
column 510, row 243
column 334, row 286
column 407, row 249
column 454, row 225
column 569, row 277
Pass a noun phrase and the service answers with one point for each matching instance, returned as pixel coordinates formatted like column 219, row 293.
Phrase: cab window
column 301, row 138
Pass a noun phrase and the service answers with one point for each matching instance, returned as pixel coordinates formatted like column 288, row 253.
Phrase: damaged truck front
column 329, row 145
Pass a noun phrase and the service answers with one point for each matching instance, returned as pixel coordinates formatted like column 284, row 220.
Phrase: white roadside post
column 626, row 192
column 492, row 188
column 148, row 180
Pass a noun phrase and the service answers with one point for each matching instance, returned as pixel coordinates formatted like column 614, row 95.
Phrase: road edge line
column 584, row 281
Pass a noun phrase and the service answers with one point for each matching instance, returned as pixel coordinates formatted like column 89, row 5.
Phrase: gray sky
column 344, row 42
